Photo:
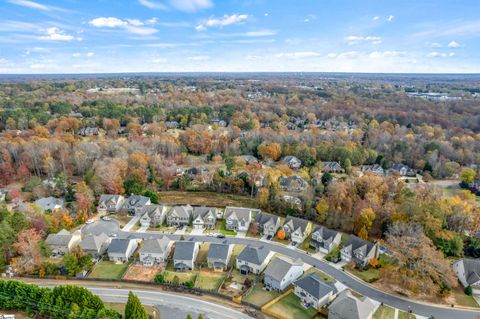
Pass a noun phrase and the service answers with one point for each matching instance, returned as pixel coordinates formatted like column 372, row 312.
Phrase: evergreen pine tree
column 134, row 308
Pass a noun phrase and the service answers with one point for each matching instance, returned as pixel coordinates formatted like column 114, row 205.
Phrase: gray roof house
column 179, row 215
column 238, row 218
column 204, row 217
column 185, row 255
column 281, row 272
column 324, row 239
column 108, row 204
column 348, row 306
column 153, row 215
column 155, row 251
column 121, row 250
column 332, row 167
column 313, row 291
column 268, row 224
column 49, row 203
column 402, row 170
column 296, row 229
column 292, row 161
column 249, row 159
column 358, row 250
column 375, row 169
column 135, row 203
column 95, row 245
column 62, row 242
column 253, row 259
column 293, row 183
column 468, row 273
column 218, row 256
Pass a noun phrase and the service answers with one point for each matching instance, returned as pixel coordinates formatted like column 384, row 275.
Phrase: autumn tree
column 27, row 247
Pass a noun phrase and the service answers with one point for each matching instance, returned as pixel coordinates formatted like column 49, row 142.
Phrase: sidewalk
column 131, row 223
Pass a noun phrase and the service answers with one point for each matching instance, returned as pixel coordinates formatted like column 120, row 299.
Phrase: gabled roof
column 204, row 212
column 290, row 158
column 152, row 210
column 325, row 233
column 119, row 245
column 239, row 213
column 113, row 199
column 93, row 242
column 286, row 181
column 155, row 245
column 266, row 219
column 472, row 270
column 62, row 238
column 296, row 223
column 48, row 203
column 315, row 286
column 358, row 243
column 351, row 307
column 181, row 211
column 136, row 201
column 218, row 251
column 254, row 255
column 184, row 250
column 279, row 267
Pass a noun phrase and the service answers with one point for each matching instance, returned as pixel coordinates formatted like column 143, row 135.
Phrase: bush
column 468, row 291
column 159, row 279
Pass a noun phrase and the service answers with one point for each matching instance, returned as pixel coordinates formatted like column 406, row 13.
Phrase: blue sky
column 79, row 36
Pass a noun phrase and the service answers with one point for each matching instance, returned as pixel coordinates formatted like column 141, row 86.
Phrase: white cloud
column 191, row 5
column 133, row 26
column 375, row 18
column 90, row 54
column 353, row 39
column 440, row 54
column 199, row 58
column 55, row 34
column 260, row 33
column 265, row 14
column 436, row 45
column 298, row 55
column 386, row 54
column 222, row 22
column 343, row 55
column 152, row 5
column 76, row 55
column 454, row 44
column 30, row 4
column 159, row 60
column 390, row 18
column 152, row 21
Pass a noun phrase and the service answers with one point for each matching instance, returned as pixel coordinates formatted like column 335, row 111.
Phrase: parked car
column 105, row 218
column 220, row 236
column 89, row 221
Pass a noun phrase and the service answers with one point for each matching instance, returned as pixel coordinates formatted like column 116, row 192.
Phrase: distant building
column 332, row 167
column 293, row 183
column 49, row 204
column 375, row 169
column 292, row 161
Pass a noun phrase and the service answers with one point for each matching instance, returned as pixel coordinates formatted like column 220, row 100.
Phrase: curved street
column 419, row 308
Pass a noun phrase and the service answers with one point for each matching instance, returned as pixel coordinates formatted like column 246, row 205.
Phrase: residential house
column 292, row 200
column 293, row 183
column 95, row 245
column 281, row 272
column 324, row 239
column 121, row 250
column 218, row 122
column 172, row 125
column 349, row 306
column 88, row 131
column 135, row 203
column 62, row 242
column 468, row 273
column 292, row 161
column 249, row 159
column 296, row 229
column 402, row 170
column 268, row 224
column 313, row 291
column 238, row 218
column 185, row 255
column 153, row 215
column 204, row 217
column 218, row 256
column 359, row 251
column 179, row 215
column 49, row 204
column 109, row 204
column 253, row 259
column 332, row 167
column 374, row 169
column 155, row 251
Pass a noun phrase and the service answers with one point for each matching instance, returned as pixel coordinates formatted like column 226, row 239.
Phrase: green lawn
column 259, row 296
column 225, row 231
column 108, row 270
column 321, row 274
column 404, row 315
column 462, row 299
column 209, row 280
column 202, row 254
column 290, row 306
column 384, row 312
column 183, row 277
column 370, row 275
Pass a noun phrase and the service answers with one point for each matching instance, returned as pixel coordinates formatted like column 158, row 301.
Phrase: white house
column 238, row 218
column 121, row 250
column 253, row 259
column 468, row 273
column 296, row 229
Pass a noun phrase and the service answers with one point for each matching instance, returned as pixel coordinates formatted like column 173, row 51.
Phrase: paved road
column 439, row 312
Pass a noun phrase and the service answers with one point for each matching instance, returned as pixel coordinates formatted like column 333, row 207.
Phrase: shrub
column 159, row 279
column 468, row 290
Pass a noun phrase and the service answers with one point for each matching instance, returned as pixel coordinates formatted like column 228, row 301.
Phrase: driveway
column 197, row 231
column 131, row 223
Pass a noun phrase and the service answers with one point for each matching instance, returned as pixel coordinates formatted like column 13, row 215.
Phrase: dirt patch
column 139, row 272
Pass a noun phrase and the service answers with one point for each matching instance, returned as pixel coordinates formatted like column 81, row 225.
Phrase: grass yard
column 237, row 249
column 259, row 296
column 322, row 275
column 206, row 199
column 404, row 315
column 122, row 218
column 183, row 277
column 370, row 275
column 202, row 254
column 225, row 231
column 384, row 312
column 462, row 299
column 120, row 307
column 108, row 270
column 290, row 307
column 209, row 280
column 164, row 229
